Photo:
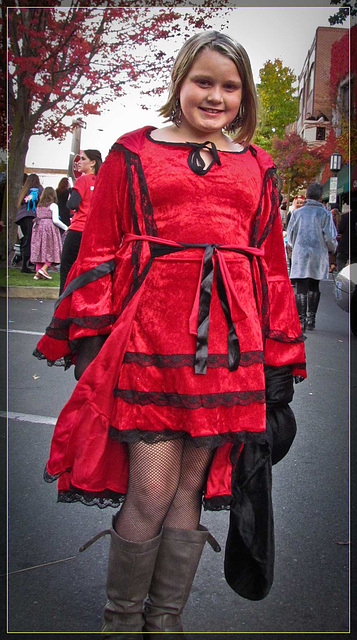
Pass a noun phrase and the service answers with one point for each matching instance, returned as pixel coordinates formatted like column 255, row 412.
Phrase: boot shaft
column 301, row 305
column 130, row 569
column 176, row 565
column 313, row 299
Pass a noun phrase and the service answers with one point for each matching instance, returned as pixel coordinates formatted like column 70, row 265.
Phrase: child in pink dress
column 46, row 243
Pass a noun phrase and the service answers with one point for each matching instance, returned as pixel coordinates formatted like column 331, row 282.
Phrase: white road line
column 28, row 417
column 29, row 333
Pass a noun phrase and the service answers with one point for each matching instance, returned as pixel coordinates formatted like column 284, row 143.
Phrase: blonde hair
column 224, row 44
column 48, row 196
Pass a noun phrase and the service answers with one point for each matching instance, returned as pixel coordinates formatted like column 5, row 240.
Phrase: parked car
column 346, row 293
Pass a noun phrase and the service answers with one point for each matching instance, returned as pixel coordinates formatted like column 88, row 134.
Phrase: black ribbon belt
column 225, row 290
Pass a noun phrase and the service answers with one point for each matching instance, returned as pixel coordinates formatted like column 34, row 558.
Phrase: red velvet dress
column 184, row 267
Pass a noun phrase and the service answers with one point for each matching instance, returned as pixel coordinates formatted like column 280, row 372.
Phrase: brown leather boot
column 130, row 569
column 177, row 561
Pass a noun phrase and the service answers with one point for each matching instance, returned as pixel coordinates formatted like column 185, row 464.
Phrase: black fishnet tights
column 165, row 488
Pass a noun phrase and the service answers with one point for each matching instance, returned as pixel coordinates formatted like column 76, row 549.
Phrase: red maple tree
column 72, row 61
column 297, row 165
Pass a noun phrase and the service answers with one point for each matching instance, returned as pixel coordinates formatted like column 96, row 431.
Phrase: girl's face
column 85, row 164
column 210, row 94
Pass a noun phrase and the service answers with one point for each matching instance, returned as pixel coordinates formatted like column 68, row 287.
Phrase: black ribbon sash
column 201, row 356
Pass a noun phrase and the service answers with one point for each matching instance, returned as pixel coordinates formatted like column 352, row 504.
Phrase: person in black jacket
column 28, row 198
column 63, row 192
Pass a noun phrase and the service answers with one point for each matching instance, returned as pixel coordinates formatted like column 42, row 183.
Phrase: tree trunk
column 17, row 156
column 288, row 196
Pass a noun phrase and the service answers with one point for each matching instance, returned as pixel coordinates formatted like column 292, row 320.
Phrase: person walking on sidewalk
column 46, row 243
column 80, row 199
column 178, row 303
column 311, row 234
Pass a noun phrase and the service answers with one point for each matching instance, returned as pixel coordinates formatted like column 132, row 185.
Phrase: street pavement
column 54, row 589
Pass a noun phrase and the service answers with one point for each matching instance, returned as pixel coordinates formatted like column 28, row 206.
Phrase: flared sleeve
column 85, row 307
column 284, row 341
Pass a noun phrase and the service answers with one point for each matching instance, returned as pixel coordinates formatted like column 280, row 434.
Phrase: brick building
column 314, row 85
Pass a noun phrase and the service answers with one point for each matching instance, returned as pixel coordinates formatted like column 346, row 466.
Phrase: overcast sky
column 266, row 34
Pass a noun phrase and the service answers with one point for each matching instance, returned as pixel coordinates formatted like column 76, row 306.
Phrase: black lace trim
column 94, row 322
column 265, row 306
column 48, row 477
column 131, row 436
column 133, row 161
column 59, row 328
column 274, row 206
column 188, row 401
column 255, row 288
column 175, row 361
column 99, row 499
column 217, row 503
column 65, row 362
column 298, row 365
column 255, row 232
column 281, row 336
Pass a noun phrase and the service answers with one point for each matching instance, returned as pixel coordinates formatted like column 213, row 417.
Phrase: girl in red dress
column 177, row 304
column 79, row 201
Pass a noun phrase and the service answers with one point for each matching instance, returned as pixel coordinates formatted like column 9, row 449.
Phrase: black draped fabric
column 250, row 549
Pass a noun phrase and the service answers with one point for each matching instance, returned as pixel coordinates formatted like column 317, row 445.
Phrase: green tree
column 343, row 13
column 278, row 105
column 297, row 165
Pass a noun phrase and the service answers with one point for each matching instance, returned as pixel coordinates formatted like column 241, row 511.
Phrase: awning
column 343, row 183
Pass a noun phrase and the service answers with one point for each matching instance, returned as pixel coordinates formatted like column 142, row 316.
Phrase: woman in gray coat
column 312, row 235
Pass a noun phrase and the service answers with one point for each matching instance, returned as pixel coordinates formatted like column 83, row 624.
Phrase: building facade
column 314, row 87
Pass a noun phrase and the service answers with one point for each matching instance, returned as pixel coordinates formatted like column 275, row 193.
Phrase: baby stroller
column 16, row 258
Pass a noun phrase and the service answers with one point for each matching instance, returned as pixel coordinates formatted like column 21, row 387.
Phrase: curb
column 46, row 293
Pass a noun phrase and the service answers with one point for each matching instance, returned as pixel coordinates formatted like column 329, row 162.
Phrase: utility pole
column 77, row 125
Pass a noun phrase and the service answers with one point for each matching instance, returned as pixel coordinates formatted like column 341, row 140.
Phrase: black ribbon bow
column 195, row 160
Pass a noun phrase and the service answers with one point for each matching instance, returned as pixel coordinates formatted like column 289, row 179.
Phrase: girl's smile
column 210, row 95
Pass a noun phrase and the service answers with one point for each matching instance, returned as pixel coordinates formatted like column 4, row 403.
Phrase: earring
column 176, row 113
column 231, row 128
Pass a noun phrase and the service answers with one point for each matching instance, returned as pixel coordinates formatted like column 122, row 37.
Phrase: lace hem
column 280, row 336
column 131, row 436
column 102, row 499
column 190, row 401
column 48, row 477
column 298, row 365
column 65, row 361
column 115, row 500
column 175, row 361
column 58, row 328
column 217, row 503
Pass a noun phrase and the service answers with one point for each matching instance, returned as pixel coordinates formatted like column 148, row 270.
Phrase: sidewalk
column 28, row 291
column 46, row 293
